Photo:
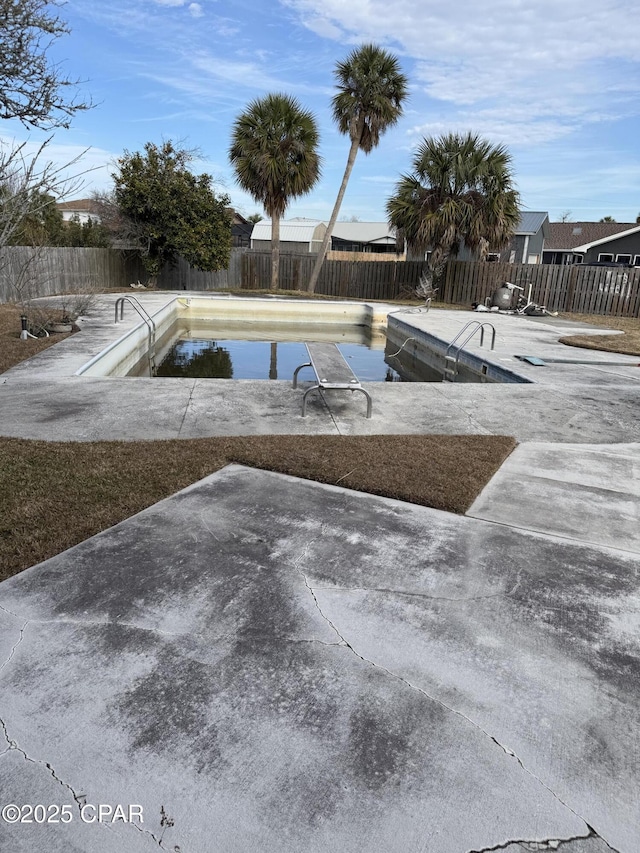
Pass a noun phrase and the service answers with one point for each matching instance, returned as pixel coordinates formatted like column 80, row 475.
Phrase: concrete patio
column 263, row 663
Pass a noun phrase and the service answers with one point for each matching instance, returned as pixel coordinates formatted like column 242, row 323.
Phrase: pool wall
column 122, row 356
column 431, row 350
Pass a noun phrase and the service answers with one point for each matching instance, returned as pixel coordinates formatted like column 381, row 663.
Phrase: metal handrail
column 473, row 325
column 149, row 322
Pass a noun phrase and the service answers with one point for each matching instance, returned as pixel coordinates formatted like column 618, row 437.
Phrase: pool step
column 450, row 370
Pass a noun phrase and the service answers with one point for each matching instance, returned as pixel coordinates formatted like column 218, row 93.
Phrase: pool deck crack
column 15, row 645
column 187, row 406
column 345, row 643
column 533, row 846
column 422, row 595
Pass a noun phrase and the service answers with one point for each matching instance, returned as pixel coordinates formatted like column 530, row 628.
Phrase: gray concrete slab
column 590, row 493
column 41, row 398
column 280, row 665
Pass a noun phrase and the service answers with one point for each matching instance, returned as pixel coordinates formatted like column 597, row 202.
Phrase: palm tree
column 274, row 154
column 460, row 194
column 371, row 90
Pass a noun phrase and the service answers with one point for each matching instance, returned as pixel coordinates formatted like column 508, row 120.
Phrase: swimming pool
column 223, row 358
column 237, row 333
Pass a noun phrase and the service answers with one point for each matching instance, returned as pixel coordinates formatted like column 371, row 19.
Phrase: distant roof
column 291, row 231
column 365, row 232
column 302, row 230
column 566, row 236
column 532, row 221
column 81, row 204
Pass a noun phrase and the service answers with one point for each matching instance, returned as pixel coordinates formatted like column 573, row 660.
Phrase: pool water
column 241, row 359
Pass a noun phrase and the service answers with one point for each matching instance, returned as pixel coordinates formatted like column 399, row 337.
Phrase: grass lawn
column 56, row 494
column 627, row 344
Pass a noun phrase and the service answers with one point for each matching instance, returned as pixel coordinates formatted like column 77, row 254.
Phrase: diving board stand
column 332, row 373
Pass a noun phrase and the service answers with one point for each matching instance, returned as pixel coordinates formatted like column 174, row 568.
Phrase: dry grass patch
column 56, row 494
column 626, row 344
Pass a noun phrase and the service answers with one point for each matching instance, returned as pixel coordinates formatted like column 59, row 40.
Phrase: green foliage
column 90, row 234
column 371, row 92
column 461, row 193
column 31, row 89
column 274, row 151
column 170, row 212
column 41, row 225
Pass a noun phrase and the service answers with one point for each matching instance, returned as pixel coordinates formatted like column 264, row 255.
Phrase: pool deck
column 274, row 664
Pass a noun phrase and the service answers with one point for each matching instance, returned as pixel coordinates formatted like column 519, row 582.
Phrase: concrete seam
column 565, row 537
column 557, row 480
column 472, row 421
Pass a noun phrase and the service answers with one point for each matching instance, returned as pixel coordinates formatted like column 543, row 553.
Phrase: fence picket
column 580, row 289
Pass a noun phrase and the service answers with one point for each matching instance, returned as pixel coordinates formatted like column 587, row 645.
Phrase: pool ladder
column 452, row 354
column 151, row 326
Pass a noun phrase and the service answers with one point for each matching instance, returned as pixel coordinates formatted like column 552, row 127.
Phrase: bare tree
column 27, row 182
column 32, row 89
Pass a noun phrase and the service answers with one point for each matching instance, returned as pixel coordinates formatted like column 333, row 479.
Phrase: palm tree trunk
column 355, row 144
column 275, row 251
column 273, row 361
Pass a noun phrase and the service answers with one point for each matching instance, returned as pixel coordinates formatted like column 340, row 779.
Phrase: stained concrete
column 590, row 493
column 280, row 665
column 43, row 398
column 268, row 664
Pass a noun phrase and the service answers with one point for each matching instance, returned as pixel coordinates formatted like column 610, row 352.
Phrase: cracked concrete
column 591, row 843
column 277, row 664
column 270, row 664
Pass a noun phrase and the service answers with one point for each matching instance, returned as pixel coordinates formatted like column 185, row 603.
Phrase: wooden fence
column 184, row 277
column 26, row 273
column 614, row 291
column 351, row 278
column 251, row 270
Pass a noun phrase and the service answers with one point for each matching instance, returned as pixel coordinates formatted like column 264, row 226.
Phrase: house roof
column 302, row 231
column 365, row 232
column 85, row 205
column 634, row 229
column 569, row 236
column 291, row 231
column 532, row 221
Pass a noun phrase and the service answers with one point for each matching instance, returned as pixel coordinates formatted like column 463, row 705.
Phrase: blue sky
column 557, row 82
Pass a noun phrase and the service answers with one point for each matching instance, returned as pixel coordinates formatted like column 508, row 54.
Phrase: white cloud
column 560, row 61
column 196, row 10
column 84, row 169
